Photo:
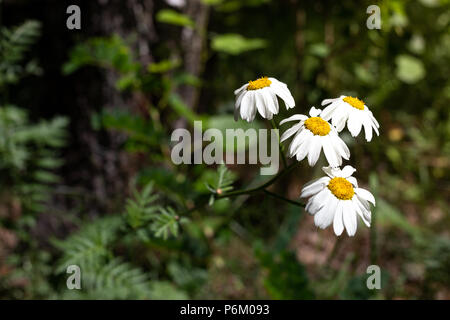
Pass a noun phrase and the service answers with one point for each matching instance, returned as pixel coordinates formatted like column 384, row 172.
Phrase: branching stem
column 263, row 187
column 272, row 194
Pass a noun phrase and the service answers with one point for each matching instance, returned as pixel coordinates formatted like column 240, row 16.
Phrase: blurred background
column 86, row 176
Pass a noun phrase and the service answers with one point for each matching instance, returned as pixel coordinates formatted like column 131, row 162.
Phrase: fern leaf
column 166, row 223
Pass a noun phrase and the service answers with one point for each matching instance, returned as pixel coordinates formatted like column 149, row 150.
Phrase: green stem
column 283, row 157
column 261, row 187
column 283, row 198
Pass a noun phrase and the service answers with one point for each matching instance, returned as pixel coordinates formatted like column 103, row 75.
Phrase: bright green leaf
column 409, row 69
column 236, row 44
column 172, row 17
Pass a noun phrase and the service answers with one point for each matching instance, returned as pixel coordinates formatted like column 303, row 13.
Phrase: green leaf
column 319, row 49
column 222, row 182
column 14, row 44
column 163, row 66
column 89, row 247
column 212, row 2
column 113, row 280
column 108, row 52
column 166, row 223
column 141, row 209
column 223, row 179
column 235, row 44
column 409, row 69
column 172, row 17
column 182, row 109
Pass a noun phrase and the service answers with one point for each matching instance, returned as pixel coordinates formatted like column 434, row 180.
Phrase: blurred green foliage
column 235, row 44
column 29, row 156
column 173, row 17
column 14, row 44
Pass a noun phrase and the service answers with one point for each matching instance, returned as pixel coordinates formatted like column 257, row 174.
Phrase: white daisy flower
column 337, row 199
column 353, row 112
column 311, row 135
column 261, row 95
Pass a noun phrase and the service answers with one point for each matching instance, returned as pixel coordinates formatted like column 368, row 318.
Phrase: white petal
column 353, row 181
column 267, row 95
column 311, row 190
column 366, row 195
column 349, row 217
column 302, row 150
column 375, row 124
column 242, row 88
column 339, row 119
column 239, row 99
column 329, row 152
column 317, row 182
column 328, row 111
column 364, row 203
column 375, row 129
column 317, row 201
column 313, row 112
column 314, row 150
column 324, row 217
column 237, row 104
column 347, row 171
column 340, row 147
column 331, row 172
column 301, row 139
column 367, row 128
column 248, row 109
column 327, row 101
column 354, row 123
column 358, row 210
column 245, row 104
column 276, row 81
column 338, row 224
column 373, row 119
column 364, row 210
column 289, row 132
column 261, row 105
column 323, row 180
column 284, row 94
column 295, row 117
column 274, row 99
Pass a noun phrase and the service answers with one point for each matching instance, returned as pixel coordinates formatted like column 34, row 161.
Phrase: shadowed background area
column 86, row 176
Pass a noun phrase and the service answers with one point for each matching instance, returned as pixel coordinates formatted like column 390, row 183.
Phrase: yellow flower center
column 259, row 83
column 341, row 188
column 355, row 102
column 317, row 126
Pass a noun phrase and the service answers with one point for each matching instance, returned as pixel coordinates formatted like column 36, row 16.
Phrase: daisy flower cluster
column 334, row 199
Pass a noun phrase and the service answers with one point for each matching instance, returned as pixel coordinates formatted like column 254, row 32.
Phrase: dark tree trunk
column 94, row 162
column 193, row 46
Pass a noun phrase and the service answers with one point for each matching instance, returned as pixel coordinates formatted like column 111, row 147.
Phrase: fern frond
column 27, row 154
column 114, row 279
column 140, row 209
column 90, row 246
column 223, row 182
column 14, row 43
column 166, row 223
